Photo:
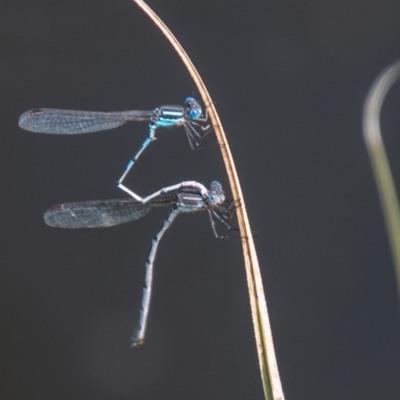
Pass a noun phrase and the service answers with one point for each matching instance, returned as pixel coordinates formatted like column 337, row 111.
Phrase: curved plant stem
column 379, row 159
column 266, row 353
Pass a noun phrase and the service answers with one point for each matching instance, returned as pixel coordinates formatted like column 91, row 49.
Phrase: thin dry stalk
column 265, row 348
column 379, row 159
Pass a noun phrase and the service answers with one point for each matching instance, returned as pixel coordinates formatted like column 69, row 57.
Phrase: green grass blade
column 379, row 159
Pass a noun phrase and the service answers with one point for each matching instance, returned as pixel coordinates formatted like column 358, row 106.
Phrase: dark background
column 289, row 79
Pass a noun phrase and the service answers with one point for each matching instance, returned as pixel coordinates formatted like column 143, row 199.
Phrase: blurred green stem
column 379, row 159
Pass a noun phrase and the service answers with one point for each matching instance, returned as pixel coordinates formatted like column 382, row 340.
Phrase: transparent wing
column 101, row 213
column 49, row 120
column 95, row 213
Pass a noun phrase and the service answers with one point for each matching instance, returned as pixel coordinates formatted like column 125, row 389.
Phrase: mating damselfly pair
column 185, row 197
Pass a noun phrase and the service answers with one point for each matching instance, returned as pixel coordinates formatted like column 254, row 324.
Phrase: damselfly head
column 194, row 109
column 216, row 194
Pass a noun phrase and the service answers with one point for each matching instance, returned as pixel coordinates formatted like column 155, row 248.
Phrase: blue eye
column 194, row 113
column 190, row 101
column 193, row 108
column 215, row 186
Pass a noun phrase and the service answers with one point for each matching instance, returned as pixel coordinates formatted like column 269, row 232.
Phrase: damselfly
column 190, row 116
column 185, row 197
